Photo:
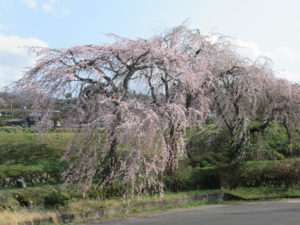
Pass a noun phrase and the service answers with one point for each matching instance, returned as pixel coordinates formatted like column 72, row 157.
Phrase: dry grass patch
column 15, row 217
column 84, row 205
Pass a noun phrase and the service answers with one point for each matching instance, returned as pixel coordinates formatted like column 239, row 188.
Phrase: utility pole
column 11, row 108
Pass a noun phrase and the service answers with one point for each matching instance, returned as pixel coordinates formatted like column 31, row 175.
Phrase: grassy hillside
column 33, row 156
column 25, row 147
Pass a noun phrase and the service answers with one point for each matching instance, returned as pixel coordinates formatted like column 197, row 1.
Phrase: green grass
column 19, row 170
column 26, row 147
column 169, row 195
column 266, row 192
column 134, row 211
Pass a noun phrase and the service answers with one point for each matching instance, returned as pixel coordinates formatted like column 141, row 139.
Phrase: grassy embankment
column 13, row 217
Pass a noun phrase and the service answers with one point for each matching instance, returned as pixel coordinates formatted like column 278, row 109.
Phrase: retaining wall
column 101, row 212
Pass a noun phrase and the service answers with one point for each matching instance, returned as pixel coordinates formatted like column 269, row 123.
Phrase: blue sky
column 260, row 27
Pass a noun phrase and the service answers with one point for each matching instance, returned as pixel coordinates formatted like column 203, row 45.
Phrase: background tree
column 286, row 100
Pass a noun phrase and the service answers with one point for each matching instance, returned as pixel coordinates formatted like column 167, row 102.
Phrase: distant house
column 16, row 122
column 4, row 113
column 28, row 121
column 32, row 118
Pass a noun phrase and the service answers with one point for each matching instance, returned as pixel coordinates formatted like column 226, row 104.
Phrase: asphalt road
column 258, row 213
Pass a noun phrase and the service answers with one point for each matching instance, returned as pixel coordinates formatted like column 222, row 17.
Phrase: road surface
column 285, row 212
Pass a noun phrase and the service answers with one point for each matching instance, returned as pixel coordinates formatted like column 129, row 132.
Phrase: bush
column 279, row 173
column 56, row 199
column 270, row 173
column 116, row 189
column 186, row 179
column 211, row 145
column 208, row 147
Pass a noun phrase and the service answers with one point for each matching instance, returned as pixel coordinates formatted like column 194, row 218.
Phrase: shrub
column 56, row 199
column 270, row 173
column 208, row 147
column 186, row 179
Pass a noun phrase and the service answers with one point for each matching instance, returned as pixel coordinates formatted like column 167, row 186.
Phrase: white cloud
column 53, row 1
column 3, row 27
column 54, row 7
column 251, row 49
column 14, row 58
column 30, row 3
column 285, row 60
column 288, row 75
column 47, row 7
column 66, row 11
